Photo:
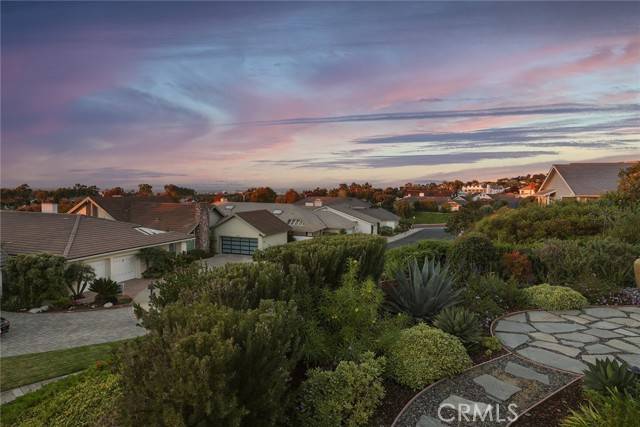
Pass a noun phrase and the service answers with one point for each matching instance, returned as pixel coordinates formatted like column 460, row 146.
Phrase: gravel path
column 35, row 333
column 500, row 389
column 569, row 339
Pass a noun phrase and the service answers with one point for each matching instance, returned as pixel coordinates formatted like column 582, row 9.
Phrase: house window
column 172, row 248
column 191, row 244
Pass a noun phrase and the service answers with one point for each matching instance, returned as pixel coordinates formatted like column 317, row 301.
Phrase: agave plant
column 422, row 293
column 460, row 322
column 609, row 374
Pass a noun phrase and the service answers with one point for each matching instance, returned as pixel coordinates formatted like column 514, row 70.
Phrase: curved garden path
column 548, row 353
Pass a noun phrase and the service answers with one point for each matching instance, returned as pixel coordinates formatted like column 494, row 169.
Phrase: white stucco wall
column 362, row 226
column 273, row 240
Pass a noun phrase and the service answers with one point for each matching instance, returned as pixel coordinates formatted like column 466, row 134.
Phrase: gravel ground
column 464, row 386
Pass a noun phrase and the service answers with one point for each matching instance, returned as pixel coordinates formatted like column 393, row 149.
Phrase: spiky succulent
column 421, row 292
column 460, row 322
column 609, row 374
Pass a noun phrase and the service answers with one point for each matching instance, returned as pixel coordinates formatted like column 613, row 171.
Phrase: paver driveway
column 567, row 339
column 34, row 333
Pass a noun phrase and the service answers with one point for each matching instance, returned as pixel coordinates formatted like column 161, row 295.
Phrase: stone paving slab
column 582, row 336
column 35, row 333
column 526, row 383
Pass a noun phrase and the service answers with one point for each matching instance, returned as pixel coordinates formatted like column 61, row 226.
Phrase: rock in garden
column 108, row 305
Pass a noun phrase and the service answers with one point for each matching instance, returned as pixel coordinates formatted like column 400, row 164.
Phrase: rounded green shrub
column 549, row 297
column 424, row 354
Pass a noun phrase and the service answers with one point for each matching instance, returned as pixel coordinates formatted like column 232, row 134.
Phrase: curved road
column 34, row 333
column 424, row 234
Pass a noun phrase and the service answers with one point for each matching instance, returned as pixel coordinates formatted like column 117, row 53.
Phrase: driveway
column 222, row 259
column 423, row 234
column 35, row 333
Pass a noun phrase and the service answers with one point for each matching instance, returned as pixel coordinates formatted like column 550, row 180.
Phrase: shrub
column 461, row 323
column 397, row 259
column 518, row 267
column 85, row 402
column 106, row 289
column 326, row 258
column 385, row 231
column 609, row 410
column 29, row 280
column 424, row 354
column 347, row 322
column 207, row 364
column 421, row 293
column 78, row 276
column 533, row 222
column 594, row 267
column 347, row 396
column 609, row 374
column 549, row 297
column 472, row 253
column 158, row 262
column 491, row 344
column 236, row 285
column 489, row 296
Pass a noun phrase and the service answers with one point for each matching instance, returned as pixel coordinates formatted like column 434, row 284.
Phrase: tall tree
column 145, row 190
column 291, row 196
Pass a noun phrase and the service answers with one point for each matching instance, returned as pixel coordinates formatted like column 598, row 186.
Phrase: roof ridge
column 72, row 236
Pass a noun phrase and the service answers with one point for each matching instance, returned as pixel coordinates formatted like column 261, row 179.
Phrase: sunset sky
column 219, row 95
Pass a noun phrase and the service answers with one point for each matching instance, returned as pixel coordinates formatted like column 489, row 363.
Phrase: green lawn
column 431, row 217
column 30, row 368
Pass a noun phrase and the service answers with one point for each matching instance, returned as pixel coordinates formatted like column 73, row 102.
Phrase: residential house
column 368, row 219
column 305, row 223
column 188, row 218
column 487, row 188
column 244, row 232
column 528, row 190
column 110, row 247
column 579, row 181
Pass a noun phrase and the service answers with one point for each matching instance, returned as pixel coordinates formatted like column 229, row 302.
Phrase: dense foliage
column 461, row 323
column 29, row 280
column 421, row 292
column 607, row 374
column 549, row 297
column 206, row 364
column 610, row 409
column 424, row 354
column 397, row 259
column 78, row 276
column 327, row 258
column 594, row 267
column 346, row 396
column 489, row 296
column 106, row 289
column 471, row 254
column 86, row 401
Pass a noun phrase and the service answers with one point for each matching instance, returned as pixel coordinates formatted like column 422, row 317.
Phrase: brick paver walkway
column 35, row 333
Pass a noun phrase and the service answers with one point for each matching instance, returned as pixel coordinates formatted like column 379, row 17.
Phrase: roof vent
column 277, row 211
column 229, row 207
column 148, row 231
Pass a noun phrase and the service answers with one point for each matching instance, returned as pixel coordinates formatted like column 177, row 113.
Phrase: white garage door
column 100, row 268
column 124, row 268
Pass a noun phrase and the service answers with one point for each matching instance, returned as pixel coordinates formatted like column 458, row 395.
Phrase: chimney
column 202, row 231
column 49, row 207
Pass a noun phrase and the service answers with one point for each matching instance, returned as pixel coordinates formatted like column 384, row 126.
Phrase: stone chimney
column 202, row 219
column 49, row 207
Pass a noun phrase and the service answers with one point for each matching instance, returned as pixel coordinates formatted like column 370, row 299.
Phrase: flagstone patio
column 569, row 339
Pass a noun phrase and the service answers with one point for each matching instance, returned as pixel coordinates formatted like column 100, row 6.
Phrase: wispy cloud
column 548, row 110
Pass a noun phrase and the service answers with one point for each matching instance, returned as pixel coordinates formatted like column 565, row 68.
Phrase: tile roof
column 74, row 236
column 300, row 219
column 329, row 201
column 591, row 179
column 264, row 221
column 149, row 212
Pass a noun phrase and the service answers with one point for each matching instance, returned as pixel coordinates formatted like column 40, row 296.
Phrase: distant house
column 579, row 181
column 110, row 247
column 367, row 218
column 488, row 188
column 189, row 218
column 528, row 190
column 244, row 232
column 305, row 222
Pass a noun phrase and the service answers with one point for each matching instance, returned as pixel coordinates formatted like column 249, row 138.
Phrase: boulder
column 108, row 305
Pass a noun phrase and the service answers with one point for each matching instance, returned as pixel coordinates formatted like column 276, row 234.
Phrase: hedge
column 326, row 258
column 549, row 297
